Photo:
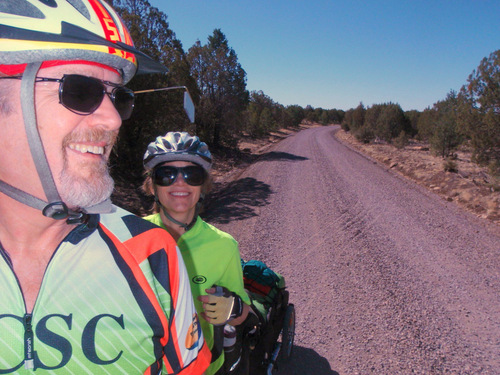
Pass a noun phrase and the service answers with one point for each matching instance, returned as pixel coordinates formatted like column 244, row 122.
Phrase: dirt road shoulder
column 470, row 186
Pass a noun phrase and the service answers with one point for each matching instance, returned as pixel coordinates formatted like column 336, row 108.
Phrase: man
column 84, row 287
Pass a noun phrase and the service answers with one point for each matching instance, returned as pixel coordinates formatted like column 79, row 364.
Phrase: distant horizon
column 336, row 56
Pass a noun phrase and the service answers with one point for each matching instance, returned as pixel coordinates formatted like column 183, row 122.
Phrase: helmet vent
column 167, row 145
column 177, row 146
column 20, row 8
column 80, row 6
column 49, row 3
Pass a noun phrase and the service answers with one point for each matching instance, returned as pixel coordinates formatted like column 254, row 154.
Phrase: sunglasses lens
column 166, row 176
column 81, row 94
column 84, row 95
column 123, row 99
column 194, row 176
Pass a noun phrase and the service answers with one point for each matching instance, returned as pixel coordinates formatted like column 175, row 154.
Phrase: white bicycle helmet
column 36, row 31
column 178, row 146
column 175, row 146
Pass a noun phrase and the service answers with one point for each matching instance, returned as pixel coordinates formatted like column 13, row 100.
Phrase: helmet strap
column 34, row 140
column 54, row 208
column 185, row 226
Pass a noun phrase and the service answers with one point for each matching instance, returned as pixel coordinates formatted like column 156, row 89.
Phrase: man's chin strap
column 55, row 208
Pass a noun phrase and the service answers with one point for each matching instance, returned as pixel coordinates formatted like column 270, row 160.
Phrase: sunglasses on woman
column 166, row 175
column 83, row 95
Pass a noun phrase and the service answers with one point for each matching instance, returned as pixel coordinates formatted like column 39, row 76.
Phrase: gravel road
column 386, row 278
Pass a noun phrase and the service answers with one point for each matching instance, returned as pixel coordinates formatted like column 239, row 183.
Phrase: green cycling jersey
column 212, row 258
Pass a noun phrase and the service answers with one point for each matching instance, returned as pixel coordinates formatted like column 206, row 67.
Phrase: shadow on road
column 306, row 361
column 279, row 156
column 236, row 201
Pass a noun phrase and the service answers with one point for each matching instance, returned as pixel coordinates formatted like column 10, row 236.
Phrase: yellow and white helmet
column 40, row 33
column 66, row 30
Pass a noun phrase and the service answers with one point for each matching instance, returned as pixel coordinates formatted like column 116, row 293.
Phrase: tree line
column 225, row 109
column 467, row 118
column 216, row 82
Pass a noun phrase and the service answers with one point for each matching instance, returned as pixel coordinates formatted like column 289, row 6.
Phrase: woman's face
column 180, row 198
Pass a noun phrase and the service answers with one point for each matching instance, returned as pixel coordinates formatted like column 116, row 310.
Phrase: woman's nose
column 179, row 180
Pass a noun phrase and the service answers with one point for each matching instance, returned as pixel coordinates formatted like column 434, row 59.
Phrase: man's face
column 77, row 147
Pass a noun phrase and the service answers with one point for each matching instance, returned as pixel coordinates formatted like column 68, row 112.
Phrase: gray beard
column 94, row 185
column 80, row 192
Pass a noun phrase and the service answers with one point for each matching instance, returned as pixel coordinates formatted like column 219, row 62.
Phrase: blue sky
column 336, row 54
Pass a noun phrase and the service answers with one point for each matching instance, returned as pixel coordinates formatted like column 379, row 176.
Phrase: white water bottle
column 232, row 349
column 229, row 338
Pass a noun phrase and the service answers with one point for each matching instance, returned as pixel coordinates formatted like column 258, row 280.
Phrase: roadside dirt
column 471, row 186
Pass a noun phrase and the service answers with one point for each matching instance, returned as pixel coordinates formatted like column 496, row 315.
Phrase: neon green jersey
column 212, row 257
column 114, row 299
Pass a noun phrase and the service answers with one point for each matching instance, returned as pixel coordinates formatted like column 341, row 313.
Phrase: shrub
column 401, row 140
column 364, row 134
column 390, row 122
column 479, row 111
column 494, row 168
column 494, row 171
column 450, row 165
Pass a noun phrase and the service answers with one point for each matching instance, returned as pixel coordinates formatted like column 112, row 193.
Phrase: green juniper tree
column 480, row 109
column 222, row 84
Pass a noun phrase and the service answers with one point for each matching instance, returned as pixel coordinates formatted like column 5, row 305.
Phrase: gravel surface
column 386, row 277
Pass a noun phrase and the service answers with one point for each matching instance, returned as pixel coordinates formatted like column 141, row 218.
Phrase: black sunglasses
column 83, row 95
column 166, row 175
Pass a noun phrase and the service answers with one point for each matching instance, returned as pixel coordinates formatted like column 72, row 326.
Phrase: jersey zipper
column 29, row 362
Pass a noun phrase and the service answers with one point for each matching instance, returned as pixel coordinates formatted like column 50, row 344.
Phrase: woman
column 178, row 175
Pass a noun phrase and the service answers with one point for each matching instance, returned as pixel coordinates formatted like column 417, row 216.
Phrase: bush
column 494, row 168
column 390, row 122
column 401, row 140
column 446, row 138
column 479, row 115
column 357, row 117
column 450, row 165
column 364, row 134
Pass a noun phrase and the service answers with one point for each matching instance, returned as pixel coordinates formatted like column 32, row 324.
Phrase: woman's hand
column 220, row 305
